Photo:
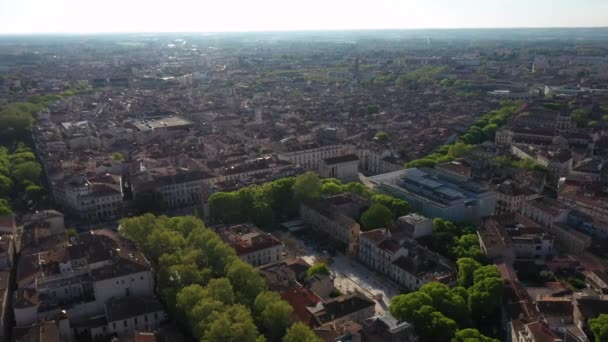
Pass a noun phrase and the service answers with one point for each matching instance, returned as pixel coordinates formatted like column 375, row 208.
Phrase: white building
column 344, row 168
column 251, row 244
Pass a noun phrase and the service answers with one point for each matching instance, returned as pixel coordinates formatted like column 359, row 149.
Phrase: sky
column 89, row 16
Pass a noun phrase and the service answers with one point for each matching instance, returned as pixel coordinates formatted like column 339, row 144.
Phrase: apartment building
column 89, row 200
column 252, row 244
column 80, row 279
column 334, row 217
column 344, row 168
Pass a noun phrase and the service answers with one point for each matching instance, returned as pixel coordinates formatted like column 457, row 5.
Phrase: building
column 177, row 189
column 80, row 278
column 344, row 168
column 126, row 315
column 355, row 307
column 413, row 226
column 89, row 200
column 439, row 194
column 514, row 237
column 146, row 130
column 251, row 244
column 511, row 198
column 310, row 154
column 387, row 328
column 403, row 261
column 57, row 329
column 334, row 217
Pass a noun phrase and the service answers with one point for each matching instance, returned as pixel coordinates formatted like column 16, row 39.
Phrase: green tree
column 450, row 303
column 34, row 192
column 5, row 208
column 373, row 109
column 458, row 149
column 117, row 156
column 485, row 296
column 248, row 284
column 234, row 324
column 397, row 206
column 471, row 335
column 404, row 306
column 220, row 289
column 273, row 314
column 432, row 325
column 318, row 268
column 307, row 187
column 599, row 327
column 28, row 171
column 377, row 216
column 300, row 332
column 466, row 269
column 225, row 207
column 467, row 246
column 331, row 189
column 382, row 137
column 6, row 184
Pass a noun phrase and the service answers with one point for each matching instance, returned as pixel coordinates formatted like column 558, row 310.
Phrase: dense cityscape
column 365, row 186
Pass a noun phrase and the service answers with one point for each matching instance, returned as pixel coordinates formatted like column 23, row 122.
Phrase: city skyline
column 113, row 16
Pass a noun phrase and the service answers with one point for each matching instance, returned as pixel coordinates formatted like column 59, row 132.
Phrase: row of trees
column 441, row 313
column 483, row 129
column 207, row 287
column 19, row 173
column 522, row 164
column 269, row 203
column 454, row 240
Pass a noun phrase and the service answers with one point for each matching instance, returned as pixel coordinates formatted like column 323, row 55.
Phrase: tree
column 450, row 303
column 458, row 149
column 397, row 206
column 234, row 324
column 377, row 216
column 468, row 246
column 373, row 109
column 382, row 137
column 307, row 187
column 34, row 192
column 318, row 268
column 28, row 171
column 6, row 184
column 466, row 268
column 331, row 189
column 471, row 335
column 300, row 332
column 5, row 208
column 117, row 156
column 403, row 306
column 273, row 314
column 599, row 327
column 485, row 295
column 220, row 289
column 225, row 207
column 432, row 325
column 248, row 284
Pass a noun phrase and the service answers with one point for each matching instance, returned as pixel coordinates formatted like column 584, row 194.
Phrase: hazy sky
column 24, row 16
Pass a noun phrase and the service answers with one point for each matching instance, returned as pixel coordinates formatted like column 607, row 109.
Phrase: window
column 124, row 323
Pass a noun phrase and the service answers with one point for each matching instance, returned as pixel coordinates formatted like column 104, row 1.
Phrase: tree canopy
column 204, row 284
column 599, row 327
column 377, row 216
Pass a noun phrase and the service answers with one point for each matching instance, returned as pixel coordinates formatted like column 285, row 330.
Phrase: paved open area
column 349, row 274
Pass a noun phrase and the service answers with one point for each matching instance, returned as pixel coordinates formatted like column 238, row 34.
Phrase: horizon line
column 77, row 33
